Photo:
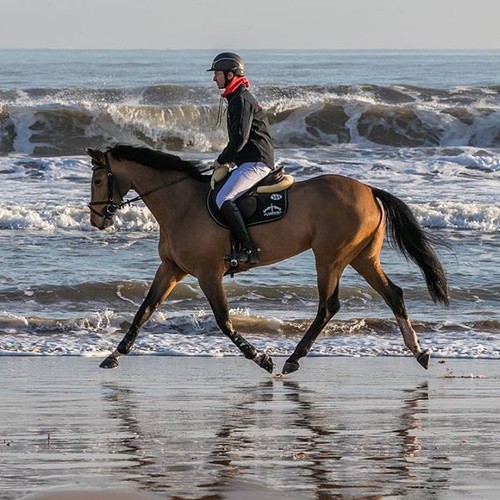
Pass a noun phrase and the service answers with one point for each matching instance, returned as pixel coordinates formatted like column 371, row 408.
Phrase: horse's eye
column 97, row 182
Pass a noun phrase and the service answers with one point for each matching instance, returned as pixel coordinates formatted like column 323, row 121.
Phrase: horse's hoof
column 265, row 361
column 109, row 362
column 290, row 367
column 423, row 358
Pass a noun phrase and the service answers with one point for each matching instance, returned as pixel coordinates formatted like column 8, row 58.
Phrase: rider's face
column 220, row 78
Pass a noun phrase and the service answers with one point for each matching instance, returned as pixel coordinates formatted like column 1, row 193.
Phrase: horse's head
column 105, row 193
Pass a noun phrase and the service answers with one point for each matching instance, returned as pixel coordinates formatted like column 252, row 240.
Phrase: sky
column 254, row 24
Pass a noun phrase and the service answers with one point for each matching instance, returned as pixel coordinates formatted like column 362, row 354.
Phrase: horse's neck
column 169, row 195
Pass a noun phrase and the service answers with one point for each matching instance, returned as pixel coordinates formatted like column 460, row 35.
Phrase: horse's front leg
column 214, row 291
column 167, row 276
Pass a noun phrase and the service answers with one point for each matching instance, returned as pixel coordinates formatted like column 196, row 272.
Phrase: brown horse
column 342, row 220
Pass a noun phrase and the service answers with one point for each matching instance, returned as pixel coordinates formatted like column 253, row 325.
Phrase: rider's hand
column 220, row 171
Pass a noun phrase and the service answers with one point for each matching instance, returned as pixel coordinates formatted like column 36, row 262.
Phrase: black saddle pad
column 255, row 208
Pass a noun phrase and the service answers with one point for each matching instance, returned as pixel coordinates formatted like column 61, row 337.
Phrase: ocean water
column 424, row 126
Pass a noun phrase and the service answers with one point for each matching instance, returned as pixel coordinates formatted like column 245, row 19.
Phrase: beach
column 207, row 427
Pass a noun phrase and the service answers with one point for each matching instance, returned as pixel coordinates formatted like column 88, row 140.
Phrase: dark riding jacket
column 248, row 131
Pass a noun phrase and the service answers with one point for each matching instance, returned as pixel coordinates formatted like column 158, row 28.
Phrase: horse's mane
column 158, row 160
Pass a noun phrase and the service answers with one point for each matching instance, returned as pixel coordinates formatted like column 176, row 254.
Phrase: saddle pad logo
column 276, row 197
column 271, row 210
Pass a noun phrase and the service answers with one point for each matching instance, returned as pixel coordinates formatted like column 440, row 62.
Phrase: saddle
column 267, row 201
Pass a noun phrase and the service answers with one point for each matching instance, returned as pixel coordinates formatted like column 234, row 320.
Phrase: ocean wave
column 451, row 215
column 50, row 218
column 89, row 319
column 284, row 306
column 63, row 121
column 198, row 335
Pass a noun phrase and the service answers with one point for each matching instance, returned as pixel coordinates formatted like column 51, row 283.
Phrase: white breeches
column 241, row 179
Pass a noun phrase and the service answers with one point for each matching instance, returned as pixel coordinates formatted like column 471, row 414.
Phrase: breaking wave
column 63, row 121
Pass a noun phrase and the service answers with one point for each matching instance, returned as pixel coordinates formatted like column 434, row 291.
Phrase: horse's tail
column 414, row 243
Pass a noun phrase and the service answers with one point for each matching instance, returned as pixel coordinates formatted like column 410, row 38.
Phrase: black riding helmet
column 228, row 61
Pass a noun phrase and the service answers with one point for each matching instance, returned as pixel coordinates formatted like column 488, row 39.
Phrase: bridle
column 111, row 207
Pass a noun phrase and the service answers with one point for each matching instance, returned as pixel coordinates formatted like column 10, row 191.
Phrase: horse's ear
column 95, row 154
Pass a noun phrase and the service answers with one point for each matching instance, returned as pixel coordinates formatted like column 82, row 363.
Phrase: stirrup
column 244, row 256
column 250, row 256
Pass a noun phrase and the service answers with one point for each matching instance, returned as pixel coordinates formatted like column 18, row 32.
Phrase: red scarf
column 234, row 84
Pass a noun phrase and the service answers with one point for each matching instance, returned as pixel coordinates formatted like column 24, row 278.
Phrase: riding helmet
column 228, row 61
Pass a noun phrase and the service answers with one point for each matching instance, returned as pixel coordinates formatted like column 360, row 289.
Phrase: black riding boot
column 249, row 251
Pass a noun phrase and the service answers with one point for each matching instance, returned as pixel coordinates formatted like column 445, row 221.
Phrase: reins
column 111, row 207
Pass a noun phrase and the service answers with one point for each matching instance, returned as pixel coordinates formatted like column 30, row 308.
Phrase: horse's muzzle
column 101, row 224
column 99, row 221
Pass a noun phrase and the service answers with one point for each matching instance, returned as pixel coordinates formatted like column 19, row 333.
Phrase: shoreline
column 187, row 427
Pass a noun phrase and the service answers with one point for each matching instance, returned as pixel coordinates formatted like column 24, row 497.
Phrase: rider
column 249, row 148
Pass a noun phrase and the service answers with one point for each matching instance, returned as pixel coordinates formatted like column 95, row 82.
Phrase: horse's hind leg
column 329, row 304
column 167, row 276
column 370, row 268
column 214, row 291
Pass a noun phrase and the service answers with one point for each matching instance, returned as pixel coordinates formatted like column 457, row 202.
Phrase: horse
column 342, row 220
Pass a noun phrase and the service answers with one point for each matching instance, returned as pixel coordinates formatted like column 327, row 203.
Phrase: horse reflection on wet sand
column 342, row 220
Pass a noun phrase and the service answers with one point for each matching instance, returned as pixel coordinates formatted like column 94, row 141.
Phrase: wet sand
column 161, row 427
